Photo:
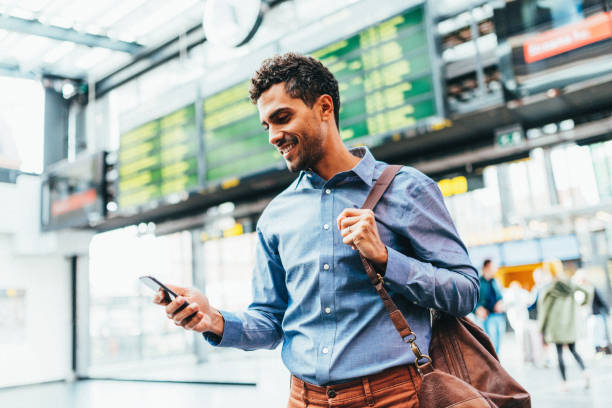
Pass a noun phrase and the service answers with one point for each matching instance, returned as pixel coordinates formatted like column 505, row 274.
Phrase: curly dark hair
column 305, row 77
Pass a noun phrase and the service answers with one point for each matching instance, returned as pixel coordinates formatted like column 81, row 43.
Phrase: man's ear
column 326, row 105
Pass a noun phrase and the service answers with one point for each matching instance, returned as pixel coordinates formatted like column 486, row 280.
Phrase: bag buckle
column 380, row 278
column 410, row 339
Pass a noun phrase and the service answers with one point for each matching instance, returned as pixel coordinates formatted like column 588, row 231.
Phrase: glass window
column 527, row 15
column 477, row 214
column 601, row 154
column 21, row 124
column 227, row 274
column 125, row 327
column 574, row 176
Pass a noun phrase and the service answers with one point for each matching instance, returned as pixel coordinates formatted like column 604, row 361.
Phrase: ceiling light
column 68, row 90
column 550, row 129
column 566, row 124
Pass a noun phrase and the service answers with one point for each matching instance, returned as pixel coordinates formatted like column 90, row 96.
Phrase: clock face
column 231, row 22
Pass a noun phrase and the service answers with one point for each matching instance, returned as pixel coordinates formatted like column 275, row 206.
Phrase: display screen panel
column 386, row 84
column 73, row 193
column 235, row 142
column 158, row 159
column 385, row 77
column 546, row 37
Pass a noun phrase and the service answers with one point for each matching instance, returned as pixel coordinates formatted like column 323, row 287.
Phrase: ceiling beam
column 35, row 27
column 149, row 59
column 13, row 69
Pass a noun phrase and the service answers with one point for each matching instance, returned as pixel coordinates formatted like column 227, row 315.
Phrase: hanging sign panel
column 158, row 159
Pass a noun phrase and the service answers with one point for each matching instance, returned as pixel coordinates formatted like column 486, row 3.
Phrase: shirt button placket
column 327, row 283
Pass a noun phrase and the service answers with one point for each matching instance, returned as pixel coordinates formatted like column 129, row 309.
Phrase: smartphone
column 156, row 285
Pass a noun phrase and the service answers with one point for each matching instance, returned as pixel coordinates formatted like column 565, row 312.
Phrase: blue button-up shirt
column 310, row 290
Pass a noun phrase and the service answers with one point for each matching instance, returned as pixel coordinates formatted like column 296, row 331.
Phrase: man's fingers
column 353, row 213
column 161, row 297
column 174, row 305
column 347, row 212
column 194, row 321
column 348, row 221
column 185, row 313
column 352, row 229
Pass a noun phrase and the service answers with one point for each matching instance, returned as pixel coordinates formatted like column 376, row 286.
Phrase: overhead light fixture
column 68, row 90
column 567, row 124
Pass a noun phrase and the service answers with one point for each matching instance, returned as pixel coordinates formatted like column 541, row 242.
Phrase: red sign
column 554, row 42
column 74, row 202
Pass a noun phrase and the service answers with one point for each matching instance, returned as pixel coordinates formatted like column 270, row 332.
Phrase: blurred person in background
column 490, row 307
column 557, row 310
column 600, row 310
column 517, row 300
column 537, row 349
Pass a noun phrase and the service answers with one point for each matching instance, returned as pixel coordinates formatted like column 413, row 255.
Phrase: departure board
column 236, row 144
column 384, row 76
column 386, row 85
column 158, row 159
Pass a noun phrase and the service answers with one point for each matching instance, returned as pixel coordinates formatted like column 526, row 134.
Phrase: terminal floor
column 272, row 388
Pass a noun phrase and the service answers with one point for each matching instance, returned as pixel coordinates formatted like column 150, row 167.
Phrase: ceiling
column 86, row 39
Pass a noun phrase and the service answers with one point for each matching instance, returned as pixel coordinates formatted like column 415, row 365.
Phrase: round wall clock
column 232, row 22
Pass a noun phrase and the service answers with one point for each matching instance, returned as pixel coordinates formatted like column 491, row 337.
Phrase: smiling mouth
column 286, row 149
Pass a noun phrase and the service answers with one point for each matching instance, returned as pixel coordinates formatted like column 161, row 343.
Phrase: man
column 490, row 307
column 310, row 290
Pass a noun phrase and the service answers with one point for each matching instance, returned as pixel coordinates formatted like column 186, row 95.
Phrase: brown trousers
column 393, row 388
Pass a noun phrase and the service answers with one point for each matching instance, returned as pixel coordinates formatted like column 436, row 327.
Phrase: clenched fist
column 359, row 230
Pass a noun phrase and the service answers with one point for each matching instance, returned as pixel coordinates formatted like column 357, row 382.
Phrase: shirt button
column 325, row 350
column 326, row 267
column 328, row 310
column 326, row 226
column 328, row 191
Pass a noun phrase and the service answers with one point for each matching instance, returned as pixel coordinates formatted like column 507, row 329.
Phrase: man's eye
column 282, row 119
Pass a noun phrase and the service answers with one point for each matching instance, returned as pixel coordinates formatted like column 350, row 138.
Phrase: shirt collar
column 364, row 169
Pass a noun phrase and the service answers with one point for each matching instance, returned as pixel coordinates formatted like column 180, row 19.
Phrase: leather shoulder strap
column 399, row 321
column 381, row 186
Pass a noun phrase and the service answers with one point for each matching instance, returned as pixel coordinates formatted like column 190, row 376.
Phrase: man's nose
column 274, row 135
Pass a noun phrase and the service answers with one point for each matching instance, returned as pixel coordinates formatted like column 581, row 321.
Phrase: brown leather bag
column 462, row 369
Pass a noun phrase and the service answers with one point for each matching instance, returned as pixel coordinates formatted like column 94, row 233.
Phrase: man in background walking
column 490, row 307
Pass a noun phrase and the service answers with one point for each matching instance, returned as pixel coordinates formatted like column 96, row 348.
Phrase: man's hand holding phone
column 204, row 318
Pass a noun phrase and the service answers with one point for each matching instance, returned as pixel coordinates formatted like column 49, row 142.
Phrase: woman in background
column 557, row 316
column 517, row 300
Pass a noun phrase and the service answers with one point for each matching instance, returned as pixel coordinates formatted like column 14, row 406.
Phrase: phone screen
column 157, row 285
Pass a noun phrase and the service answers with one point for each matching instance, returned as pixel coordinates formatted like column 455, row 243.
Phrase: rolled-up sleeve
column 440, row 275
column 260, row 326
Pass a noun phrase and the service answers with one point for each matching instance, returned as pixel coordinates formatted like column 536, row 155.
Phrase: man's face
column 296, row 130
column 490, row 271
